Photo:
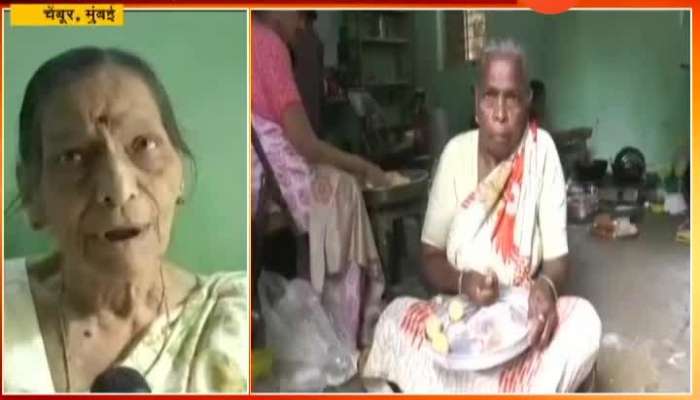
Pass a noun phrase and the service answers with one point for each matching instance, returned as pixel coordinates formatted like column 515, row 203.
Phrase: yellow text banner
column 67, row 14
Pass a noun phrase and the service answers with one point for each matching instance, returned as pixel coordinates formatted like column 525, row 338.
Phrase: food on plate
column 433, row 326
column 455, row 310
column 465, row 337
column 394, row 178
column 440, row 343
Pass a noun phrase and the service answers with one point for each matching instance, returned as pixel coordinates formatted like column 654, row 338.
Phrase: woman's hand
column 542, row 314
column 374, row 175
column 481, row 289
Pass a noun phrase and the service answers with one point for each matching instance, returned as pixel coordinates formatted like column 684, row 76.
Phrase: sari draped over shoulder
column 202, row 348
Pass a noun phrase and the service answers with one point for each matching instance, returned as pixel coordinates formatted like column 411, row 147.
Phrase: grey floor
column 641, row 290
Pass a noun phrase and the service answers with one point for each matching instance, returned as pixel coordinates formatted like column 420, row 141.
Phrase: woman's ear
column 31, row 202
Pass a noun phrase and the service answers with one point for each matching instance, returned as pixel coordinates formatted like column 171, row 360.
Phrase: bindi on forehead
column 109, row 100
column 113, row 95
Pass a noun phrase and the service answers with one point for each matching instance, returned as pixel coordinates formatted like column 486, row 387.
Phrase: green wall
column 620, row 73
column 201, row 59
column 616, row 71
column 449, row 86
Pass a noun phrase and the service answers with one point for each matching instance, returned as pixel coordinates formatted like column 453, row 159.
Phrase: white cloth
column 24, row 346
column 456, row 178
column 206, row 349
column 561, row 367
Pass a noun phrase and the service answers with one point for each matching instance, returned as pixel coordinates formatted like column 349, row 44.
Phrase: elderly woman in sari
column 496, row 218
column 318, row 183
column 101, row 170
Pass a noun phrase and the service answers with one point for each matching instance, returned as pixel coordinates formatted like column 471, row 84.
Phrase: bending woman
column 496, row 218
column 318, row 183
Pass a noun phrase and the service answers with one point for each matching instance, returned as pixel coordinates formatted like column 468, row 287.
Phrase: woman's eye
column 71, row 157
column 143, row 143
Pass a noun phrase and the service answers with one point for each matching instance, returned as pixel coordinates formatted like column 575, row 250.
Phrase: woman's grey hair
column 503, row 48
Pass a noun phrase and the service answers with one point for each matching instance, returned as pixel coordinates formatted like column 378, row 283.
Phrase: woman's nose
column 499, row 112
column 116, row 181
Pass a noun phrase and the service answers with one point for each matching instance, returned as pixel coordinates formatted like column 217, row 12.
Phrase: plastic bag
column 309, row 356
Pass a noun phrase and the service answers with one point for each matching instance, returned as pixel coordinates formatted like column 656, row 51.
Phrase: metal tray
column 467, row 354
column 414, row 190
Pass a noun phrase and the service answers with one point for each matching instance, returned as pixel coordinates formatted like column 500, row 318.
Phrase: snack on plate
column 455, row 310
column 440, row 343
column 433, row 326
column 394, row 178
column 464, row 336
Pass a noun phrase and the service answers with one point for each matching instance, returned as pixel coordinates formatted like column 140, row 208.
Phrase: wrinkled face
column 289, row 25
column 110, row 174
column 502, row 103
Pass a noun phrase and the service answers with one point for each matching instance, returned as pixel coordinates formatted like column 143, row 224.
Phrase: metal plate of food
column 413, row 186
column 482, row 338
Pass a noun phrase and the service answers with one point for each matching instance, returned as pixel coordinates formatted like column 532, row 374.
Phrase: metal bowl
column 412, row 191
column 629, row 166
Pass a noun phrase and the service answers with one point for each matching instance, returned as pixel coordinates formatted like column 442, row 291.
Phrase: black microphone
column 120, row 380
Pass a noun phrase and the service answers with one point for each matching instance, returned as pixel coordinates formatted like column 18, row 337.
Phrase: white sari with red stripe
column 496, row 227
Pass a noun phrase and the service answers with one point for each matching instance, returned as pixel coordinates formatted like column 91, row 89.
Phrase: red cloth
column 274, row 88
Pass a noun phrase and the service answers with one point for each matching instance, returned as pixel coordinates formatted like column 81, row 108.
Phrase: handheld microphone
column 120, row 380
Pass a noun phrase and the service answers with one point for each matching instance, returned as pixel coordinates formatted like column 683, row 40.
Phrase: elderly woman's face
column 110, row 175
column 502, row 105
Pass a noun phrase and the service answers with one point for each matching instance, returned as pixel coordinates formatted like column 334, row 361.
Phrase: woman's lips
column 123, row 234
column 500, row 139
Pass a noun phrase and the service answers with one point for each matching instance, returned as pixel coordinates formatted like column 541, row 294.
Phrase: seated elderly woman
column 496, row 218
column 101, row 170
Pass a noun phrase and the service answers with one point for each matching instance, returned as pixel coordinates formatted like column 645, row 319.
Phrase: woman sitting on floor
column 496, row 218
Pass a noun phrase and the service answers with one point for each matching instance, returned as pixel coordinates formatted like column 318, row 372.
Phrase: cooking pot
column 629, row 166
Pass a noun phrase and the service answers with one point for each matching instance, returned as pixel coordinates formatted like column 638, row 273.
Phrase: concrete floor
column 641, row 290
